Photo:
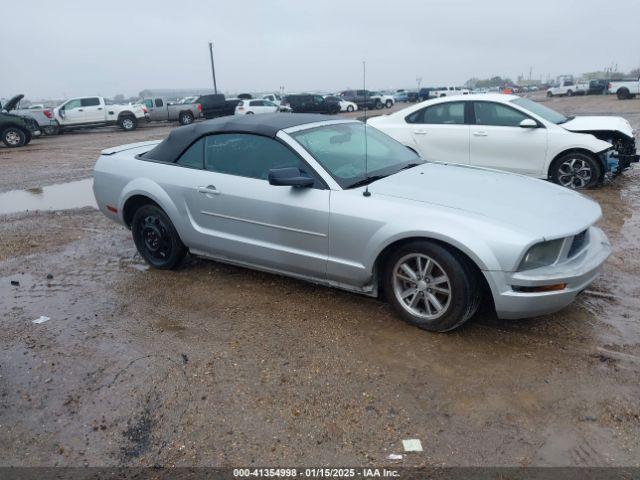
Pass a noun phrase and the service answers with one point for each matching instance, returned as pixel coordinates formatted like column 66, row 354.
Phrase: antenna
column 366, row 192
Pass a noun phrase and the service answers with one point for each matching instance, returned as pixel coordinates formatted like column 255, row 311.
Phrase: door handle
column 99, row 108
column 80, row 110
column 208, row 190
column 481, row 134
column 420, row 132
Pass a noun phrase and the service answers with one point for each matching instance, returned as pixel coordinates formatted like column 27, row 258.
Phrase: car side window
column 194, row 155
column 148, row 103
column 448, row 113
column 159, row 102
column 496, row 114
column 71, row 104
column 90, row 102
column 247, row 155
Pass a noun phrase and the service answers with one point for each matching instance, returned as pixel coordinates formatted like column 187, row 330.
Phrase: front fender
column 496, row 248
column 580, row 141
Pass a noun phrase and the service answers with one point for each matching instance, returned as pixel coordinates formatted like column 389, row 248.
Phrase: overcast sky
column 78, row 47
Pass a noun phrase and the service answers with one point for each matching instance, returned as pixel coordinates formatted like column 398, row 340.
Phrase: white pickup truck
column 624, row 89
column 448, row 92
column 568, row 88
column 87, row 112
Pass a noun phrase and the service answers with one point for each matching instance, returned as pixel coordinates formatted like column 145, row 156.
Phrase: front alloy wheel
column 421, row 286
column 430, row 285
column 576, row 171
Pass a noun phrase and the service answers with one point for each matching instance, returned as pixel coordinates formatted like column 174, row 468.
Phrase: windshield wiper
column 566, row 119
column 366, row 181
column 411, row 165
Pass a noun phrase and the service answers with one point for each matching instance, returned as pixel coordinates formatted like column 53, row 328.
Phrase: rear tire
column 549, row 94
column 623, row 94
column 577, row 171
column 14, row 137
column 156, row 238
column 50, row 130
column 569, row 93
column 185, row 118
column 379, row 105
column 128, row 123
column 430, row 286
column 350, row 108
column 388, row 104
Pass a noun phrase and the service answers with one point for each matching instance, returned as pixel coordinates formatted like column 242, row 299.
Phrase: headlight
column 541, row 255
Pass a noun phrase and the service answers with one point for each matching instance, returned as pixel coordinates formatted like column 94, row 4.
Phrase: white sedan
column 249, row 107
column 515, row 134
column 345, row 106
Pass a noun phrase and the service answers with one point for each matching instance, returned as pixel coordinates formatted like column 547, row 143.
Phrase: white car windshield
column 540, row 110
column 340, row 149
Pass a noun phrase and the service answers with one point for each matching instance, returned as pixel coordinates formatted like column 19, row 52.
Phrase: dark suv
column 363, row 98
column 308, row 103
column 215, row 105
column 16, row 131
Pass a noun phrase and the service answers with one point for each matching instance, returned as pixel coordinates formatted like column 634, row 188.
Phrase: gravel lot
column 214, row 365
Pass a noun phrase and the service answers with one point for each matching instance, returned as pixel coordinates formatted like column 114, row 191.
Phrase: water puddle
column 62, row 196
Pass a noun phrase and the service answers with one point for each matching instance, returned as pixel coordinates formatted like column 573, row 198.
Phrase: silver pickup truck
column 160, row 110
column 44, row 117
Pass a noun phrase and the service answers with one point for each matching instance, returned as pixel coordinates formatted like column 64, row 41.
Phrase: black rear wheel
column 128, row 123
column 156, row 238
column 185, row 118
column 623, row 94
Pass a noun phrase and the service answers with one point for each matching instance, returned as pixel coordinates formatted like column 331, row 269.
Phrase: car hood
column 532, row 206
column 12, row 103
column 599, row 124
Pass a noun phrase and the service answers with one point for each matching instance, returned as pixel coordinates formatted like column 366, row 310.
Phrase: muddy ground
column 220, row 366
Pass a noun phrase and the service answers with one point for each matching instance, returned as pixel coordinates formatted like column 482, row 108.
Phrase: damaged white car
column 515, row 134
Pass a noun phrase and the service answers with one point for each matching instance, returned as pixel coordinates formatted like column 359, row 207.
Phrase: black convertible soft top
column 267, row 125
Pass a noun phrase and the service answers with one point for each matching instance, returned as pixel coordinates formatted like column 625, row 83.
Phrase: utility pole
column 213, row 68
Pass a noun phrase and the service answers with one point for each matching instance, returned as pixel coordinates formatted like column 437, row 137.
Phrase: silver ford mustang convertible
column 339, row 204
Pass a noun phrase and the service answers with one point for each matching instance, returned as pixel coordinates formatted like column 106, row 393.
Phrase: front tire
column 577, row 171
column 185, row 118
column 13, row 137
column 388, row 104
column 128, row 123
column 350, row 108
column 549, row 94
column 156, row 238
column 569, row 93
column 379, row 105
column 431, row 287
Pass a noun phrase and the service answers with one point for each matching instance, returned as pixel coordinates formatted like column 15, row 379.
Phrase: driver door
column 71, row 112
column 239, row 215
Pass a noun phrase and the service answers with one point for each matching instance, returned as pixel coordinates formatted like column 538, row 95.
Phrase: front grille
column 579, row 241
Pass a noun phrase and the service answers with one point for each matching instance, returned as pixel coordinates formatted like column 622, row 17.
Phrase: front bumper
column 577, row 273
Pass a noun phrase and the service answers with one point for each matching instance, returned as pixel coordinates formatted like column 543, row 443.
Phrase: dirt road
column 219, row 366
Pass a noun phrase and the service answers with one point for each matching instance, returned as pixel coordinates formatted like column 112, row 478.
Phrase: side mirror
column 528, row 123
column 289, row 177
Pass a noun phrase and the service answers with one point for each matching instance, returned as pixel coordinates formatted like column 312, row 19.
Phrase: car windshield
column 340, row 149
column 540, row 110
